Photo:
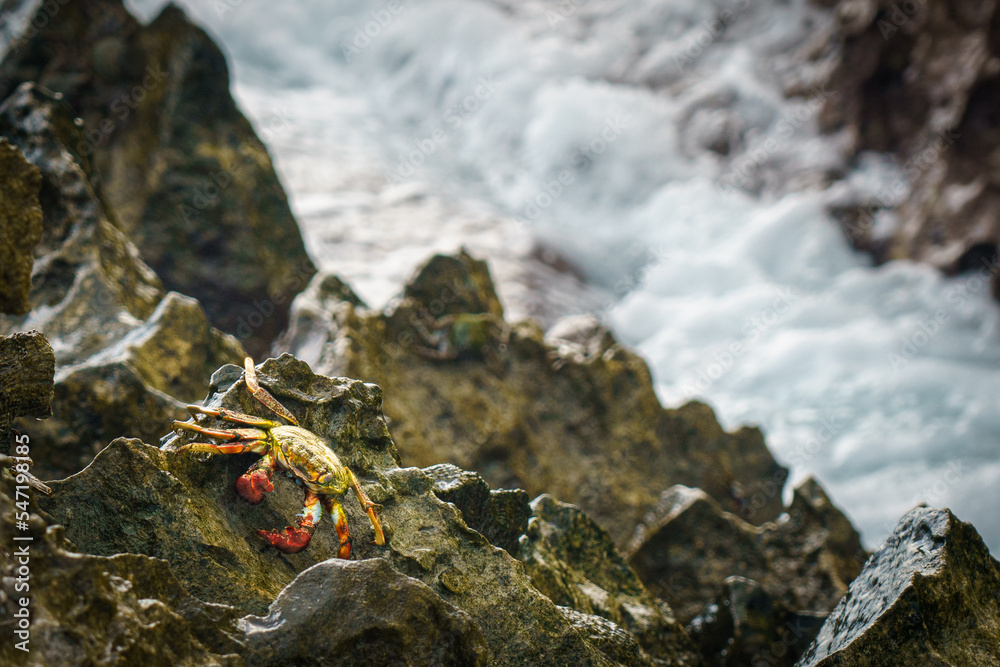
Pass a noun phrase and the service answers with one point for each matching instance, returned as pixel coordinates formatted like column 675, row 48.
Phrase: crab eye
column 325, row 478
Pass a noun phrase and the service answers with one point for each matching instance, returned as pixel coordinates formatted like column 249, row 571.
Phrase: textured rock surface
column 920, row 79
column 362, row 613
column 574, row 416
column 930, row 595
column 93, row 610
column 575, row 563
column 27, row 367
column 20, row 227
column 126, row 354
column 189, row 180
column 689, row 546
column 746, row 626
column 139, row 499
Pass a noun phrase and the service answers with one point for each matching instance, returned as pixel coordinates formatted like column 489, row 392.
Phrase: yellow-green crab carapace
column 299, row 452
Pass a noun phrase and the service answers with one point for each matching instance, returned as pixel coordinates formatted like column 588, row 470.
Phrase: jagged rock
column 94, row 610
column 501, row 515
column 20, row 227
column 127, row 354
column 746, row 626
column 362, row 613
column 180, row 507
column 575, row 563
column 190, row 182
column 920, row 79
column 617, row 645
column 577, row 417
column 930, row 595
column 688, row 547
column 27, row 367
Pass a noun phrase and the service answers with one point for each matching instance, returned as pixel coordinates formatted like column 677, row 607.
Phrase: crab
column 299, row 452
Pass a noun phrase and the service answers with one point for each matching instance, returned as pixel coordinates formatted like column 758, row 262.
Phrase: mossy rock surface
column 20, row 227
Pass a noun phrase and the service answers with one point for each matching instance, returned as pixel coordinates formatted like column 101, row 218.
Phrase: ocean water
column 651, row 144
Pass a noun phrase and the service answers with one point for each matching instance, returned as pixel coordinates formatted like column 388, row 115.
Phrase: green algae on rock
column 20, row 227
column 139, row 499
column 930, row 595
column 575, row 563
column 575, row 416
column 191, row 183
column 362, row 613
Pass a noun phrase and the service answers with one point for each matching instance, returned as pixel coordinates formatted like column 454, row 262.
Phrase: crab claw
column 292, row 540
column 252, row 486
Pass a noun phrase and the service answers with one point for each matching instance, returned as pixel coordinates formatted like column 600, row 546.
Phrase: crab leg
column 263, row 395
column 222, row 434
column 239, row 447
column 369, row 508
column 339, row 518
column 252, row 485
column 231, row 416
column 294, row 539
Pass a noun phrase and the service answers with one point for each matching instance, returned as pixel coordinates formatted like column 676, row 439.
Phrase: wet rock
column 575, row 563
column 93, row 610
column 919, row 80
column 127, row 355
column 27, row 367
column 20, row 227
column 746, row 626
column 191, row 183
column 688, row 547
column 501, row 515
column 930, row 595
column 362, row 613
column 574, row 414
column 183, row 508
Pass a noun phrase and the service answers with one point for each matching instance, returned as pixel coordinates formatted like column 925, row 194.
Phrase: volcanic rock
column 20, row 227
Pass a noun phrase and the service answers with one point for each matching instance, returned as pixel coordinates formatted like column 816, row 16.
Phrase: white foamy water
column 614, row 131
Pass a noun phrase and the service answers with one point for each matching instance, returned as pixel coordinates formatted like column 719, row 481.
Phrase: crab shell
column 305, row 455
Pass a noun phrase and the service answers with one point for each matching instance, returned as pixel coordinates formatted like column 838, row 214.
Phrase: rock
column 27, row 367
column 138, row 499
column 930, row 595
column 362, row 613
column 576, row 417
column 191, row 183
column 617, row 645
column 688, row 547
column 128, row 356
column 501, row 515
column 919, row 80
column 92, row 610
column 746, row 626
column 20, row 227
column 575, row 563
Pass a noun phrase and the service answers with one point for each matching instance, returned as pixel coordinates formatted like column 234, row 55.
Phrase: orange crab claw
column 292, row 540
column 252, row 486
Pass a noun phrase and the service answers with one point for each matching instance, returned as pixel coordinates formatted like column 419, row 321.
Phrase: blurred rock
column 127, row 355
column 746, row 626
column 574, row 414
column 501, row 515
column 362, row 613
column 688, row 547
column 930, row 595
column 27, row 367
column 920, row 80
column 575, row 563
column 20, row 227
column 183, row 508
column 189, row 180
column 93, row 610
column 617, row 645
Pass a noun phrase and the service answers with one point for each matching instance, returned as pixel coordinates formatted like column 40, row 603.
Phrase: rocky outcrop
column 930, row 595
column 575, row 563
column 20, row 227
column 920, row 80
column 138, row 499
column 189, row 180
column 27, row 367
column 573, row 414
column 688, row 547
column 362, row 613
column 127, row 354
